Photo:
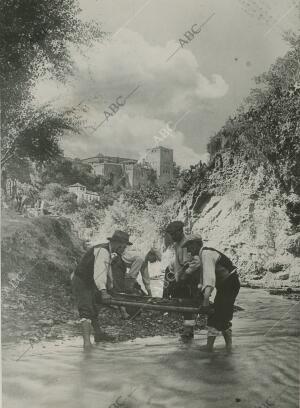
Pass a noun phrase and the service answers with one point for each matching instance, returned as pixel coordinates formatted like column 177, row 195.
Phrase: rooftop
column 77, row 185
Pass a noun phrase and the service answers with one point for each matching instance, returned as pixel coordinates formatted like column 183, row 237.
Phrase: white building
column 82, row 193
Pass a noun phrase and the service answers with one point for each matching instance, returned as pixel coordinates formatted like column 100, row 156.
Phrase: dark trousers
column 183, row 289
column 85, row 298
column 224, row 302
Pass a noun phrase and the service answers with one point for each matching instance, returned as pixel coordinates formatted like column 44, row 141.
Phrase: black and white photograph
column 150, row 203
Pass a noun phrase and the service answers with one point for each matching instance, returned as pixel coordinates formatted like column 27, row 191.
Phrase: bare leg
column 86, row 334
column 188, row 328
column 227, row 334
column 210, row 343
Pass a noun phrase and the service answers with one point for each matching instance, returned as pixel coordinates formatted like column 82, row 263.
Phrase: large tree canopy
column 35, row 38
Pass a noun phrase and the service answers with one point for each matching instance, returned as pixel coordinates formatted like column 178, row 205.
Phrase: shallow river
column 263, row 370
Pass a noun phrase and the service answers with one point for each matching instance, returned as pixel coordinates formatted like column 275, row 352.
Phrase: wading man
column 178, row 286
column 217, row 271
column 100, row 271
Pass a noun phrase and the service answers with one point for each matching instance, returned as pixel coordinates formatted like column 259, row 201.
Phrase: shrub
column 53, row 191
column 66, row 203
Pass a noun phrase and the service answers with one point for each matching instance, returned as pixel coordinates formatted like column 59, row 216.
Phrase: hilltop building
column 127, row 172
column 161, row 160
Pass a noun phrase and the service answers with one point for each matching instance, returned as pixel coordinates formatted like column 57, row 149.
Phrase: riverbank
column 159, row 372
column 38, row 256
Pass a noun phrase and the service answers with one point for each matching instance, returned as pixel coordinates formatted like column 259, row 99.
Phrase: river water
column 262, row 371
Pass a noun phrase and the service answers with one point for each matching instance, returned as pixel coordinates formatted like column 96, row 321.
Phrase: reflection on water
column 160, row 372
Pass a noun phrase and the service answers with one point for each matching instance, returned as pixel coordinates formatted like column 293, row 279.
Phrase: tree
column 70, row 171
column 271, row 119
column 53, row 191
column 66, row 203
column 35, row 38
column 266, row 129
column 176, row 171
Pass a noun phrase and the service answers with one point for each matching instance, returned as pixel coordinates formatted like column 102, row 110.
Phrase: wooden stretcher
column 159, row 304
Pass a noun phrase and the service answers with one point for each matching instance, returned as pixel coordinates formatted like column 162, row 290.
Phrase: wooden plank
column 175, row 305
column 160, row 307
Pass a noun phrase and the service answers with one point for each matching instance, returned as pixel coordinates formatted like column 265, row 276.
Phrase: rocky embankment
column 240, row 211
column 38, row 256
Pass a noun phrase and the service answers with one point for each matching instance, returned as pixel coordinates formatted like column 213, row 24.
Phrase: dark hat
column 192, row 238
column 174, row 227
column 120, row 236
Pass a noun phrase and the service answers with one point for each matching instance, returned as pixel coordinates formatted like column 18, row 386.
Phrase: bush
column 66, row 203
column 148, row 195
column 53, row 191
column 145, row 226
column 90, row 216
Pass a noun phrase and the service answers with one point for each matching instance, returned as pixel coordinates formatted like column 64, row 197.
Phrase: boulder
column 276, row 267
column 293, row 245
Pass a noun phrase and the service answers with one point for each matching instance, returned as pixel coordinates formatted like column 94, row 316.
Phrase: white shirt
column 102, row 269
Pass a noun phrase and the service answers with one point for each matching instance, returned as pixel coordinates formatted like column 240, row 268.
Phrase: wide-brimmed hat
column 120, row 236
column 174, row 226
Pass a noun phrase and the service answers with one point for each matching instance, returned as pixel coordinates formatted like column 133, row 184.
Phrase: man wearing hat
column 100, row 271
column 177, row 285
column 216, row 272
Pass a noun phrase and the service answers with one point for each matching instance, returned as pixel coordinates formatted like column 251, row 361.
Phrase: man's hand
column 124, row 314
column 105, row 297
column 151, row 256
column 149, row 292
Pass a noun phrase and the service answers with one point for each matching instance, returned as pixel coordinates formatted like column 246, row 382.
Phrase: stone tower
column 161, row 160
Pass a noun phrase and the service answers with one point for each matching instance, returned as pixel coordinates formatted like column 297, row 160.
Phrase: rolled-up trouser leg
column 189, row 320
column 223, row 308
column 188, row 328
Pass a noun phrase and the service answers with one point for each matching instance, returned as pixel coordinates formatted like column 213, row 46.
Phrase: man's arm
column 136, row 265
column 101, row 268
column 146, row 277
column 208, row 259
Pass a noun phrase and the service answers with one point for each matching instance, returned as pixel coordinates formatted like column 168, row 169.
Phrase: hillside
column 246, row 201
column 38, row 256
column 240, row 211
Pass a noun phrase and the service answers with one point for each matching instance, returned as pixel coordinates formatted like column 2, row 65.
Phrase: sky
column 174, row 86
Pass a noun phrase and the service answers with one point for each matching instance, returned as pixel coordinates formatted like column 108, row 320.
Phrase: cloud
column 167, row 89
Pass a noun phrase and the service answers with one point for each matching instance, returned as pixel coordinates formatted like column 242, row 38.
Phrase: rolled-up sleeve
column 208, row 260
column 101, row 268
column 146, row 277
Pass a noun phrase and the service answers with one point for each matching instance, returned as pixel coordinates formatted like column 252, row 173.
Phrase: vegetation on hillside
column 266, row 129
